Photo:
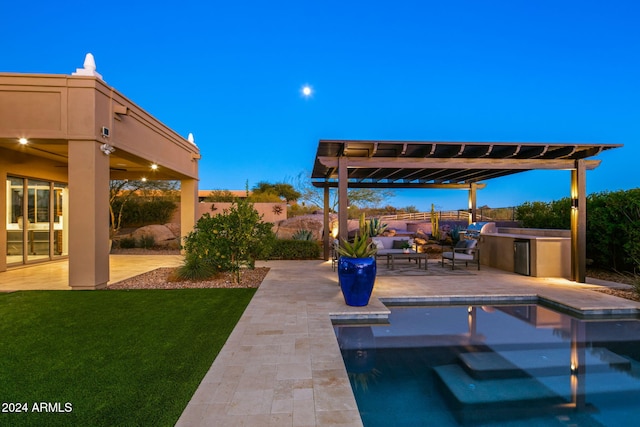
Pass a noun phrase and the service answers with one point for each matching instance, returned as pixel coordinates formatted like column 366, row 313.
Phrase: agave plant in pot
column 357, row 270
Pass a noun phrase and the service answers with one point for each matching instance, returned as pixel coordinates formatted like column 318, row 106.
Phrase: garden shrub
column 613, row 229
column 127, row 243
column 302, row 234
column 613, row 226
column 295, row 249
column 227, row 241
column 139, row 212
column 146, row 241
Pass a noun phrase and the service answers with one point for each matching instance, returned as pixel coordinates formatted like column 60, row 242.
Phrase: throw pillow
column 378, row 243
column 471, row 244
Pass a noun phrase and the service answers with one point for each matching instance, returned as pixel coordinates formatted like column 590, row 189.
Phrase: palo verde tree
column 279, row 190
column 360, row 197
column 127, row 195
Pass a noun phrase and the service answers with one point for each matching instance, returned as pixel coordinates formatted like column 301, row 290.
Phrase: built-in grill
column 475, row 228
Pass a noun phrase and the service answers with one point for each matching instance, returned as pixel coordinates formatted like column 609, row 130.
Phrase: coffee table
column 410, row 255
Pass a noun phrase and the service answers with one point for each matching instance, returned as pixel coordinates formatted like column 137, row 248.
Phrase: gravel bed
column 160, row 279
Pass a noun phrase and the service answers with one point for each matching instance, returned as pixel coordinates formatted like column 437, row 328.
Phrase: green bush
column 195, row 268
column 127, row 243
column 294, row 249
column 613, row 226
column 613, row 229
column 302, row 235
column 229, row 240
column 138, row 212
column 146, row 241
column 552, row 215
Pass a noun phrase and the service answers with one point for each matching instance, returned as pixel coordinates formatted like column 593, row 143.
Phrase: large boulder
column 163, row 235
column 286, row 228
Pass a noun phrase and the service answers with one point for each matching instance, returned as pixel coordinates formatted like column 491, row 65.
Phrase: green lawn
column 112, row 358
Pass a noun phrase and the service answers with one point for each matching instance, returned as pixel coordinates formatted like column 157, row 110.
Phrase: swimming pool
column 493, row 365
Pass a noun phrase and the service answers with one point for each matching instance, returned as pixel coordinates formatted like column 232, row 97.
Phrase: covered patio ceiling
column 122, row 165
column 427, row 164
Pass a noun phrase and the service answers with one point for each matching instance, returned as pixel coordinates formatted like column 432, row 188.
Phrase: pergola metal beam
column 360, row 184
column 455, row 163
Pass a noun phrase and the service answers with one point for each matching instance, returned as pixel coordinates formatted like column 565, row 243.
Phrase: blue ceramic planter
column 357, row 277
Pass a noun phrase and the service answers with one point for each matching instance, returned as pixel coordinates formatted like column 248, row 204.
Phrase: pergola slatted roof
column 407, row 164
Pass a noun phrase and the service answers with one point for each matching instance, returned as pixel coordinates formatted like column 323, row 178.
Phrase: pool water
column 493, row 365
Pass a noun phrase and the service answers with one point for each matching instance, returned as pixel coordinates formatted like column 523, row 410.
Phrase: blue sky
column 232, row 73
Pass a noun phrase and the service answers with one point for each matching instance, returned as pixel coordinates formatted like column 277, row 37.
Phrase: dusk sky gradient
column 232, row 73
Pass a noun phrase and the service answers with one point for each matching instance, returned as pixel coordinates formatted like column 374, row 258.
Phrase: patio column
column 325, row 225
column 188, row 206
column 343, row 201
column 88, row 215
column 3, row 214
column 472, row 202
column 578, row 222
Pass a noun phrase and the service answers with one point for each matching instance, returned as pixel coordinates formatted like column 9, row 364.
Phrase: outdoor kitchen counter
column 550, row 256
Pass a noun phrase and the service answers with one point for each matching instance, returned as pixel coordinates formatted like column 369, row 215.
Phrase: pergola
column 451, row 165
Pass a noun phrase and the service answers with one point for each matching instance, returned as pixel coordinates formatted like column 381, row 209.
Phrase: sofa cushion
column 459, row 256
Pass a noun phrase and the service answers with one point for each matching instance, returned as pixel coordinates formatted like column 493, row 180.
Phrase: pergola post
column 472, row 202
column 325, row 225
column 578, row 222
column 343, row 201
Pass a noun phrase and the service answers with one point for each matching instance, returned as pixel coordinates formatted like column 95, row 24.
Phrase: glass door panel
column 39, row 211
column 60, row 217
column 15, row 220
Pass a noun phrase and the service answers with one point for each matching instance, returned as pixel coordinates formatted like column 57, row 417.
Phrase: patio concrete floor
column 282, row 366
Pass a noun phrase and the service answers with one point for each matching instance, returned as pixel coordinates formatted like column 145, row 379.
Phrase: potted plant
column 357, row 270
column 406, row 247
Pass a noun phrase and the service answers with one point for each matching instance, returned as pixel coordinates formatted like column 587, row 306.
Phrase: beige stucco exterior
column 64, row 118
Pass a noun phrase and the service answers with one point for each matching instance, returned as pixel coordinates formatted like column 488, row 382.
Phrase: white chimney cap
column 89, row 68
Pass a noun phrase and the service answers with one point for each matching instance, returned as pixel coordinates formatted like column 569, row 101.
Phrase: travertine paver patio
column 282, row 366
column 55, row 275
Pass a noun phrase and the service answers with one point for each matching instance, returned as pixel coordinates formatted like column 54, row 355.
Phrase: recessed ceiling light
column 154, row 166
column 23, row 141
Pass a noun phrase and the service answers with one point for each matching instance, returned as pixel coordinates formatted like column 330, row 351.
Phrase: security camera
column 107, row 149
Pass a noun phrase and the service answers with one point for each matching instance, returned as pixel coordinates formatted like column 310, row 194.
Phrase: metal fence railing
column 482, row 214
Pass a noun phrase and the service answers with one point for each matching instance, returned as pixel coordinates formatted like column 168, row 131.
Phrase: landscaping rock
column 286, row 228
column 163, row 235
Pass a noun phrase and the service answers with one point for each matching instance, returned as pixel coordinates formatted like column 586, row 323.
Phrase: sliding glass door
column 36, row 228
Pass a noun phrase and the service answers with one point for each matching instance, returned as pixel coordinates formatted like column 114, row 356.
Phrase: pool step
column 539, row 362
column 469, row 391
column 474, row 401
